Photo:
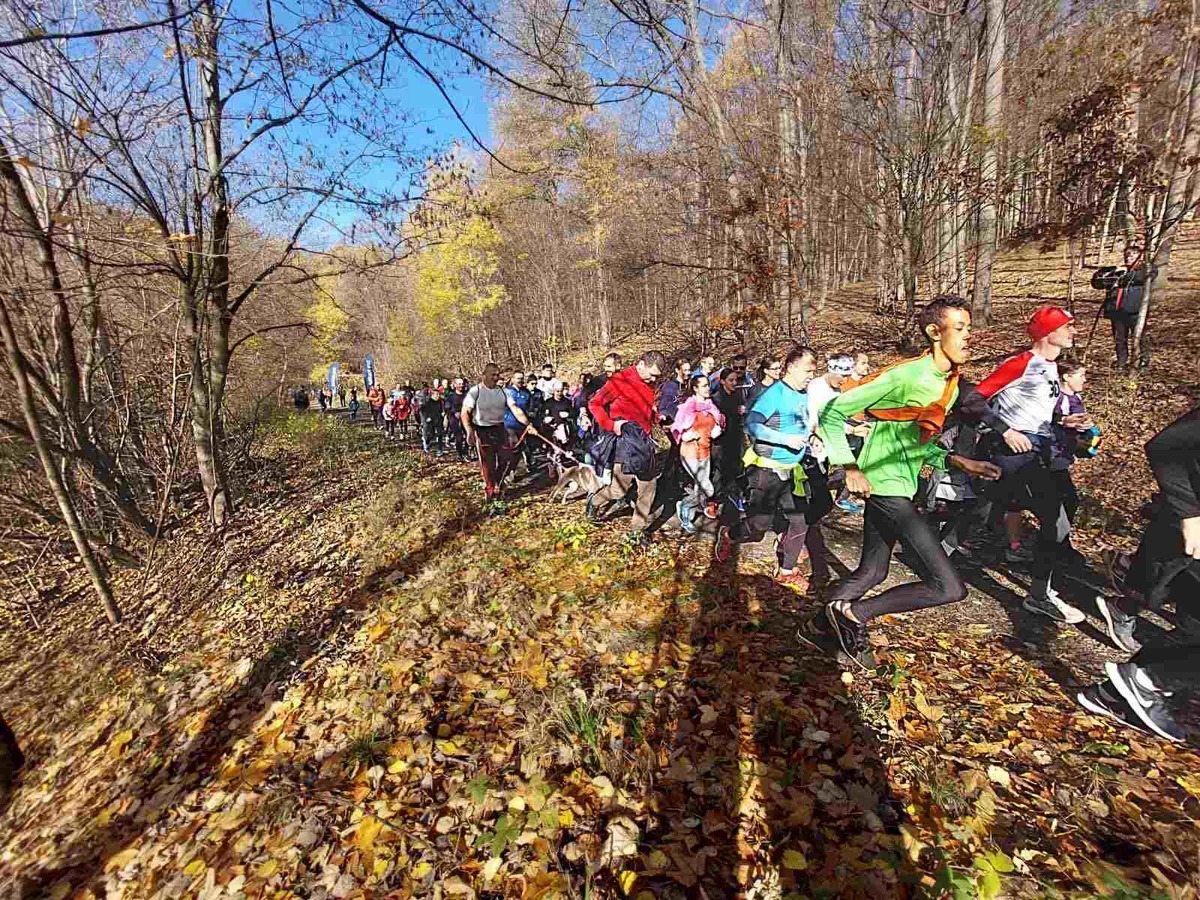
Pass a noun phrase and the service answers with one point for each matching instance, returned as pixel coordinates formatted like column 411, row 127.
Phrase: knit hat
column 1047, row 319
column 841, row 365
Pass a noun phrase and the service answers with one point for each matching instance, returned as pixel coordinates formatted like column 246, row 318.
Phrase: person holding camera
column 1124, row 289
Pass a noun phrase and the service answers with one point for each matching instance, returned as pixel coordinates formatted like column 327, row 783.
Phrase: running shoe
column 851, row 635
column 1104, row 700
column 589, row 509
column 795, row 580
column 1119, row 625
column 1147, row 702
column 1054, row 607
column 711, row 510
column 723, row 548
column 850, row 506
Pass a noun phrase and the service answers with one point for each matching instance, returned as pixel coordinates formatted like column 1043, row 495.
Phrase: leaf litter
column 394, row 693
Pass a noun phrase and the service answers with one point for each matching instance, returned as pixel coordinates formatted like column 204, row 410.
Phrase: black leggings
column 1051, row 496
column 888, row 520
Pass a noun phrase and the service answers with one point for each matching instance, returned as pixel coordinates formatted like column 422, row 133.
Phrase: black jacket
column 1174, row 455
column 635, row 452
column 1124, row 289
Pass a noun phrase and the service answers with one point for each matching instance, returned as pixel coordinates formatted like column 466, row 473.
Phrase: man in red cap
column 1023, row 393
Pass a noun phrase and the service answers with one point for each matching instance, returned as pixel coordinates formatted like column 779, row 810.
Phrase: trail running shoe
column 850, row 506
column 1104, row 700
column 711, row 510
column 589, row 509
column 1054, row 607
column 851, row 635
column 1119, row 625
column 723, row 548
column 1147, row 703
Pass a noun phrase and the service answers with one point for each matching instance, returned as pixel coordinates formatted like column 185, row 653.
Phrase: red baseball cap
column 1046, row 320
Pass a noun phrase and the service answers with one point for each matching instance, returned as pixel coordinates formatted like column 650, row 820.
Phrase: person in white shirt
column 546, row 383
column 840, row 368
column 821, row 390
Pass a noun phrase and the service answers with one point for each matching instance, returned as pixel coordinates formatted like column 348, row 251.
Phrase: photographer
column 1124, row 289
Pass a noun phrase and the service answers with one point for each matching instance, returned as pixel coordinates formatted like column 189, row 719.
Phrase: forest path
column 443, row 697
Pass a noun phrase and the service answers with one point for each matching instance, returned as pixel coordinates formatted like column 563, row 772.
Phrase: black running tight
column 889, row 520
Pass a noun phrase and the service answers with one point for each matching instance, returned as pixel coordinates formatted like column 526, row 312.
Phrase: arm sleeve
column 1004, row 376
column 598, row 405
column 832, row 421
column 1174, row 455
column 756, row 424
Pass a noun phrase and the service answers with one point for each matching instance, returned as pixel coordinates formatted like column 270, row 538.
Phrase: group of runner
column 929, row 459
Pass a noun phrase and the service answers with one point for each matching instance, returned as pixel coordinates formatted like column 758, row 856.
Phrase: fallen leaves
column 581, row 711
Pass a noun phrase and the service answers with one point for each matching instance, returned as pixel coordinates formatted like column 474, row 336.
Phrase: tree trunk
column 993, row 111
column 1182, row 187
column 16, row 365
column 210, row 370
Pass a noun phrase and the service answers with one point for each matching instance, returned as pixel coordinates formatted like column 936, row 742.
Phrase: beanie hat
column 1047, row 319
column 841, row 365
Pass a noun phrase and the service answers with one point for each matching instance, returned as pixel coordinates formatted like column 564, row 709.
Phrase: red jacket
column 624, row 396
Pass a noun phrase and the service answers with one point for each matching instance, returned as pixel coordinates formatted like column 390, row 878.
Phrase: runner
column 740, row 365
column 768, row 372
column 591, row 386
column 483, row 411
column 839, row 374
column 696, row 423
column 557, row 418
column 547, row 382
column 1166, row 566
column 671, row 395
column 674, row 391
column 1072, row 376
column 453, row 403
column 624, row 407
column 389, row 417
column 402, row 408
column 786, row 491
column 730, row 399
column 375, row 398
column 354, row 404
column 908, row 403
column 862, row 368
column 433, row 432
column 519, row 398
column 1024, row 392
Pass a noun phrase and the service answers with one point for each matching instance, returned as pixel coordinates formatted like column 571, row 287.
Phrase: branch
column 305, row 325
column 38, row 36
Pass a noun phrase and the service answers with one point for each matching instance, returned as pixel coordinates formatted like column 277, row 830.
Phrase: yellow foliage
column 457, row 279
column 328, row 319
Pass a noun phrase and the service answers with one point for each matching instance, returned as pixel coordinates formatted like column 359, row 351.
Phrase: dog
column 576, row 483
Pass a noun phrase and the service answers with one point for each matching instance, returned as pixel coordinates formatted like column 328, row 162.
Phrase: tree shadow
column 774, row 780
column 183, row 761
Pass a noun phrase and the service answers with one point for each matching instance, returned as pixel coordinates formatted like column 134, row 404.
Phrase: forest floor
column 375, row 686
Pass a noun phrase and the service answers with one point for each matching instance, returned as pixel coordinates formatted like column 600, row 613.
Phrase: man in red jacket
column 625, row 407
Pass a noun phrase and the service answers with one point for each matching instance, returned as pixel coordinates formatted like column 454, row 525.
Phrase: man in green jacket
column 907, row 405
